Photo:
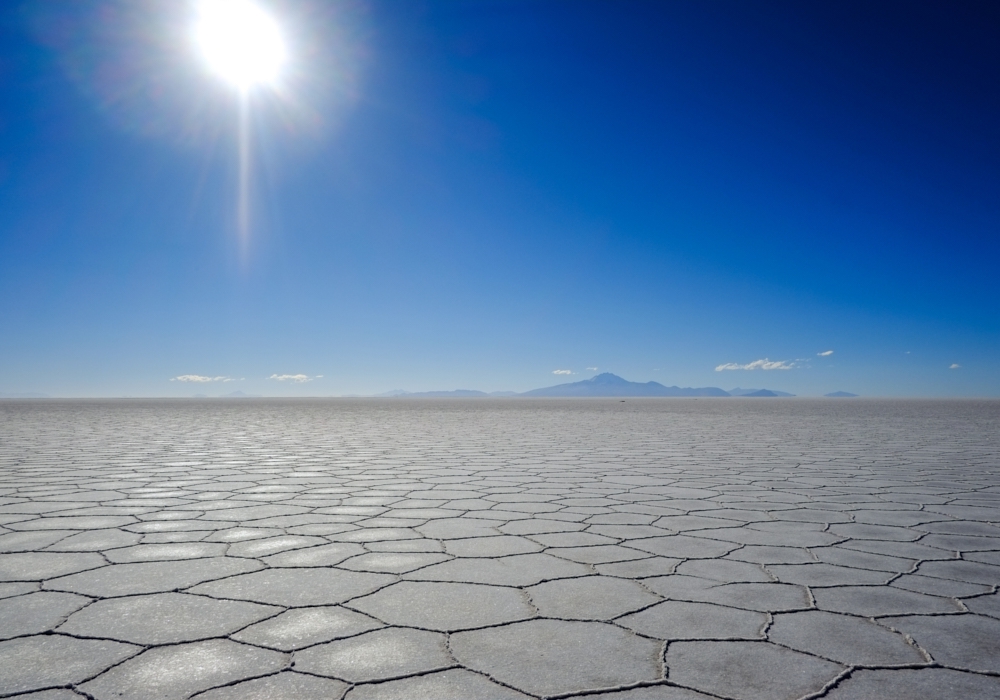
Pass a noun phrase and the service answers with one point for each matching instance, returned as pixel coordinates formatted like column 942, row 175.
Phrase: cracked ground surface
column 499, row 549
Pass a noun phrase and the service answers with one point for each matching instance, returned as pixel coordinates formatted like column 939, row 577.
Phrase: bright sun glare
column 241, row 42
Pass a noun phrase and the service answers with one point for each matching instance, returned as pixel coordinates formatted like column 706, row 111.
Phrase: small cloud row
column 200, row 379
column 297, row 378
column 764, row 364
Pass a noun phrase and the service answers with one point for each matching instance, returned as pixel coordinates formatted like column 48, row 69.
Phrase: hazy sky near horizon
column 504, row 195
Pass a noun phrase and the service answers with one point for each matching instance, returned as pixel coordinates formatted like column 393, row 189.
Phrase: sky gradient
column 480, row 194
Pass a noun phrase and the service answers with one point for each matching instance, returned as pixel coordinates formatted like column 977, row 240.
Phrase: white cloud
column 955, row 366
column 297, row 378
column 758, row 364
column 825, row 353
column 562, row 371
column 200, row 379
column 592, row 369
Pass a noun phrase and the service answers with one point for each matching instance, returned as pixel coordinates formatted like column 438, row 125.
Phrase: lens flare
column 241, row 43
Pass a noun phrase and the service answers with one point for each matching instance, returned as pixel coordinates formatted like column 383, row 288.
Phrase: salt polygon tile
column 967, row 571
column 679, row 587
column 915, row 683
column 272, row 545
column 323, row 555
column 286, row 685
column 303, row 627
column 95, row 541
column 842, row 638
column 724, row 570
column 589, row 598
column 572, row 539
column 983, row 557
column 657, row 692
column 47, row 660
column 445, row 606
column 164, row 618
column 73, row 523
column 961, row 641
column 863, row 560
column 939, row 586
column 407, row 546
column 496, row 546
column 242, row 534
column 321, row 529
column 8, row 590
column 392, row 562
column 549, row 657
column 251, row 513
column 516, row 570
column 458, row 528
column 174, row 537
column 763, row 597
column 904, row 550
column 811, row 515
column 149, row 577
column 827, row 575
column 36, row 566
column 382, row 654
column 153, row 526
column 747, row 670
column 639, row 568
column 862, row 531
column 962, row 543
column 296, row 587
column 756, row 534
column 60, row 694
column 597, row 554
column 376, row 534
column 36, row 612
column 31, row 541
column 683, row 523
column 453, row 684
column 902, row 518
column 629, row 532
column 165, row 552
column 875, row 601
column 621, row 519
column 962, row 527
column 985, row 605
column 766, row 554
column 176, row 672
column 681, row 620
column 537, row 527
column 683, row 547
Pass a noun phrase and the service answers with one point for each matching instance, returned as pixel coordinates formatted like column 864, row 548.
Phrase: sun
column 241, row 42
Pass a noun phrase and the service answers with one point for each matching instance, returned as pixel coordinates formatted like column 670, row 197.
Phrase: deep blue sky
column 486, row 192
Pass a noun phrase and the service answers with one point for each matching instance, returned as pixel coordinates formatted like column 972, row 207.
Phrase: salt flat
column 659, row 549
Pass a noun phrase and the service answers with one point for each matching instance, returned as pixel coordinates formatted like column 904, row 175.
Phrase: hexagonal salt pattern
column 499, row 549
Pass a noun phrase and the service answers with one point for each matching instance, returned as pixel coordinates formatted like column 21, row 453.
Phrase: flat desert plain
column 658, row 549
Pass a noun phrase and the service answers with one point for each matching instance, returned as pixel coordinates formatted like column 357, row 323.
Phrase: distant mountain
column 456, row 394
column 608, row 384
column 761, row 393
column 24, row 395
column 754, row 392
column 239, row 395
column 841, row 395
